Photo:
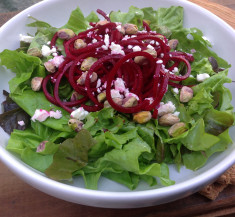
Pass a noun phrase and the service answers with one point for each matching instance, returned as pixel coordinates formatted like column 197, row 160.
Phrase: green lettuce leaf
column 24, row 66
column 195, row 160
column 71, row 156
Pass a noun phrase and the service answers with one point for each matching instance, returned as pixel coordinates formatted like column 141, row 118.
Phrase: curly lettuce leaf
column 24, row 66
column 197, row 159
column 163, row 20
column 30, row 100
column 198, row 43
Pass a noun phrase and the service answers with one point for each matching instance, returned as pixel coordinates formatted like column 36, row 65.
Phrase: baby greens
column 111, row 144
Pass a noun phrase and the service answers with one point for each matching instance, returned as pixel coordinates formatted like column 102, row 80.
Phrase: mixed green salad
column 64, row 124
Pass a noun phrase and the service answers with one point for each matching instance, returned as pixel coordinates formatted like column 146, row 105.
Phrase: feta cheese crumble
column 94, row 40
column 150, row 47
column 57, row 60
column 26, row 38
column 98, row 84
column 116, row 49
column 175, row 70
column 119, row 27
column 129, row 94
column 41, row 115
column 176, row 113
column 202, row 77
column 169, row 107
column 46, row 51
column 55, row 114
column 116, row 94
column 21, row 123
column 79, row 114
column 119, row 85
column 159, row 62
column 136, row 48
column 175, row 90
column 106, row 40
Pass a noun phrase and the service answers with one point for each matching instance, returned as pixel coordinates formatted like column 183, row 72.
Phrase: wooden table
column 18, row 199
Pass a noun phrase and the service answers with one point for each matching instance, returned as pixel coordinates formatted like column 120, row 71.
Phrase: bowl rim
column 197, row 182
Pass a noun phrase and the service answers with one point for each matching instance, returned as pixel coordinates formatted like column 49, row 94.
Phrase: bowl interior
column 110, row 194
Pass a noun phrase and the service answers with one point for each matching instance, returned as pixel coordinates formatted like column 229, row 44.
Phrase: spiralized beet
column 140, row 66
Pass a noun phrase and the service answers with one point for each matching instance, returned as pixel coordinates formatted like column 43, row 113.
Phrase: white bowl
column 110, row 194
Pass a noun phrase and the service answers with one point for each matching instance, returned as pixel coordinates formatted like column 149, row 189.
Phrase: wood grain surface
column 18, row 199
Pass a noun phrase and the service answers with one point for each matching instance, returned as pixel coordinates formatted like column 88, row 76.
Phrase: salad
column 120, row 97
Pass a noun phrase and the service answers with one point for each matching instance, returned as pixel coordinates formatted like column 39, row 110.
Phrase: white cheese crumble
column 126, row 37
column 176, row 113
column 175, row 90
column 21, row 123
column 129, row 94
column 46, row 51
column 119, row 27
column 104, row 47
column 116, row 49
column 79, row 113
column 150, row 99
column 175, row 70
column 41, row 115
column 130, row 46
column 119, row 85
column 169, row 107
column 55, row 114
column 57, row 60
column 106, row 40
column 115, row 94
column 26, row 38
column 202, row 77
column 159, row 62
column 98, row 84
column 150, row 47
column 94, row 40
column 136, row 48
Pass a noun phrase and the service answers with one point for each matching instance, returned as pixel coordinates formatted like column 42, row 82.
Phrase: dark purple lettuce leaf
column 12, row 115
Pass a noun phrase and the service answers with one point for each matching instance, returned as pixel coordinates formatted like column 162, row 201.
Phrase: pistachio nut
column 168, row 119
column 186, row 94
column 177, row 129
column 130, row 29
column 79, row 43
column 142, row 117
column 75, row 96
column 82, row 79
column 102, row 22
column 129, row 102
column 101, row 97
column 141, row 60
column 117, row 101
column 87, row 63
column 65, row 34
column 36, row 83
column 173, row 43
column 50, row 67
column 36, row 52
column 75, row 124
